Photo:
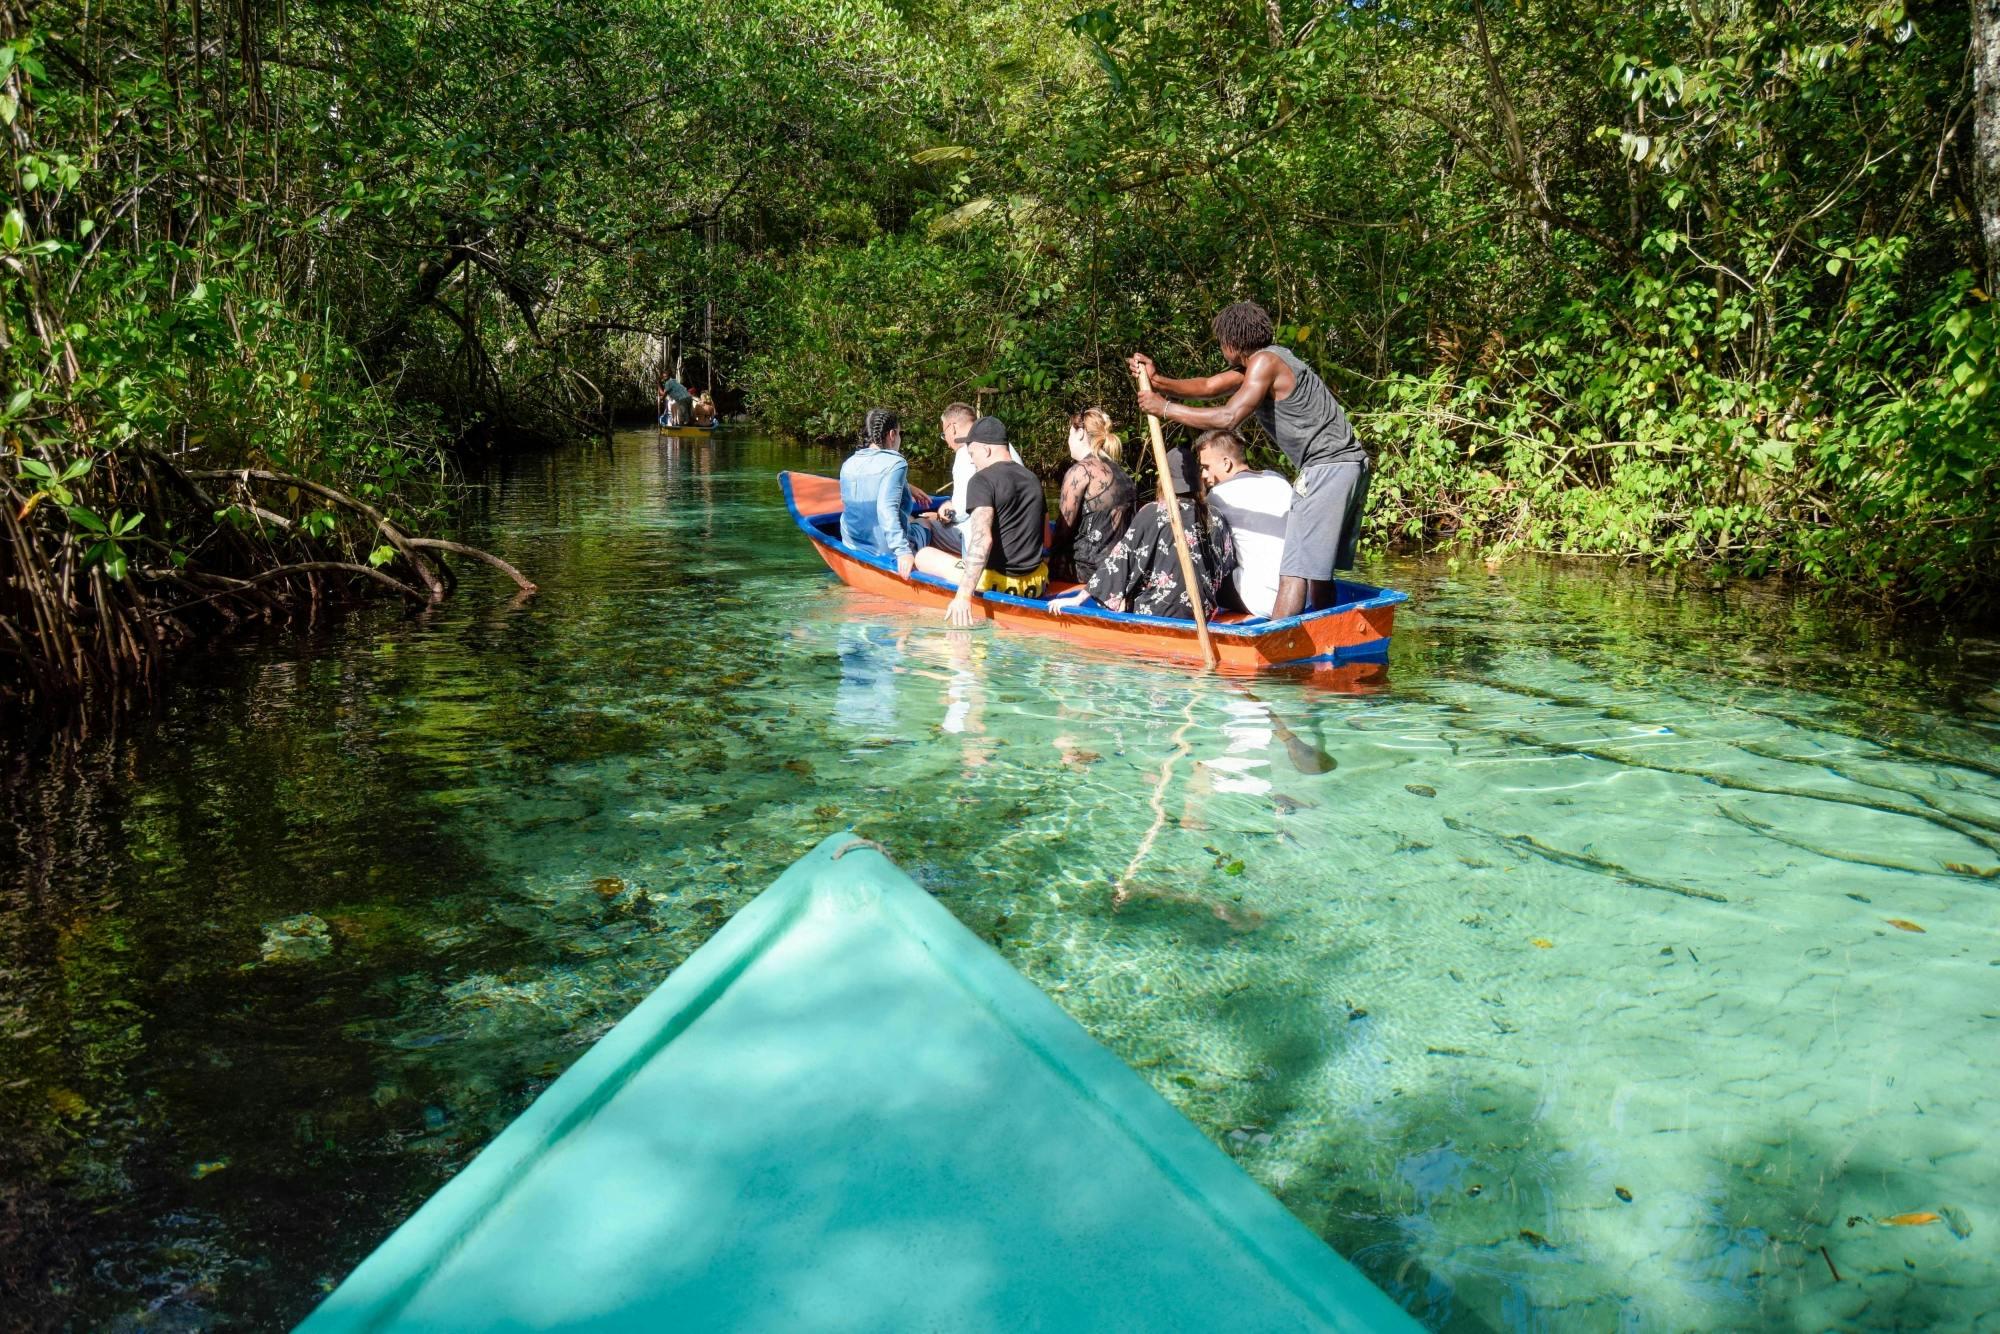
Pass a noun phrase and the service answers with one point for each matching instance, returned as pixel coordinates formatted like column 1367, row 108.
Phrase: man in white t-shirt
column 1254, row 505
column 948, row 525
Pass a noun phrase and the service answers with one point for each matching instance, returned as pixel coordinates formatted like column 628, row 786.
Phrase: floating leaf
column 1911, row 1220
column 1234, row 868
column 1902, row 925
column 1541, row 944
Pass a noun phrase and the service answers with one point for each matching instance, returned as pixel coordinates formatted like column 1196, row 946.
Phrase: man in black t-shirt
column 1007, row 520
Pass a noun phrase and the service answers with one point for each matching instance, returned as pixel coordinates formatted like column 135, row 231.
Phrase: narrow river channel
column 1636, row 965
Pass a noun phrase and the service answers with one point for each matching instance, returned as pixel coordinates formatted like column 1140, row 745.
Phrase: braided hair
column 876, row 424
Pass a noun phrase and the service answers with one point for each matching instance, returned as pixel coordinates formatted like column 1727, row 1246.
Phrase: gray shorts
column 1325, row 520
column 939, row 534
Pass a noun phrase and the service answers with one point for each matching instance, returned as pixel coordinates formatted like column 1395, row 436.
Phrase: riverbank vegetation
column 331, row 243
column 1690, row 282
column 1685, row 281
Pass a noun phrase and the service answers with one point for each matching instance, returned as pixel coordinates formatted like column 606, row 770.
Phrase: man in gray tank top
column 1304, row 420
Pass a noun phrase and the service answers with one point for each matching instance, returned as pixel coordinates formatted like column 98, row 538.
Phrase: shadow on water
column 1452, row 1189
column 511, row 821
column 195, row 1130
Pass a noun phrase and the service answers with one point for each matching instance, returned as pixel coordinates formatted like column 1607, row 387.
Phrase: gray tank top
column 1309, row 426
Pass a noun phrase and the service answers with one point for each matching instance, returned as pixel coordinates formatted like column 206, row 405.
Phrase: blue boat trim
column 1373, row 598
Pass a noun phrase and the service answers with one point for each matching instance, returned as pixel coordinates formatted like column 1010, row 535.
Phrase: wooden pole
column 1173, row 507
column 708, row 312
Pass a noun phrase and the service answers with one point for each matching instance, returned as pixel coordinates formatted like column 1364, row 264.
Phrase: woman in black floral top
column 1097, row 496
column 1142, row 571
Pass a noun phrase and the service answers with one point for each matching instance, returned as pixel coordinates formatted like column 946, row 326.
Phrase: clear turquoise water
column 1596, row 900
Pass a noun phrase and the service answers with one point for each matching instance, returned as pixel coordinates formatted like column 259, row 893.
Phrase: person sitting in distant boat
column 1141, row 574
column 675, row 401
column 875, row 494
column 1097, row 497
column 1255, row 506
column 1007, row 520
column 703, row 411
column 948, row 523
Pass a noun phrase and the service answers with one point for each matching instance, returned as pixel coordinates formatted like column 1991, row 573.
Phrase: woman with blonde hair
column 1098, row 497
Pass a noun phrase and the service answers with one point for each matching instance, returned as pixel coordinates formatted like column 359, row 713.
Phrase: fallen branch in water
column 460, row 549
column 388, row 581
column 401, row 543
column 82, row 619
column 1528, row 844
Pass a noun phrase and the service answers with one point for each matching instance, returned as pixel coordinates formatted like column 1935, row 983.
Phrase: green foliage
column 1685, row 282
column 332, row 240
column 1668, row 284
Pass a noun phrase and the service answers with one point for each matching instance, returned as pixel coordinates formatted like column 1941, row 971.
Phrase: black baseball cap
column 985, row 431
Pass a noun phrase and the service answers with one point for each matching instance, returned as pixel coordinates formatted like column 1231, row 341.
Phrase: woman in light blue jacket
column 875, row 502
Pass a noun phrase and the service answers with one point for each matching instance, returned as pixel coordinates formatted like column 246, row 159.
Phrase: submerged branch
column 460, row 549
column 1579, row 861
column 390, row 531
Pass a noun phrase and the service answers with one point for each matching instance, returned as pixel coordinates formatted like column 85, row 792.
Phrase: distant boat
column 847, row 1112
column 1355, row 631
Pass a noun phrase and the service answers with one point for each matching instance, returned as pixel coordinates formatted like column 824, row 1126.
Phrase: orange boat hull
column 1357, row 631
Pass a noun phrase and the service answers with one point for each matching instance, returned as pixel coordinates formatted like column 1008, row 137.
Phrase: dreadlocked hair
column 876, row 423
column 1245, row 326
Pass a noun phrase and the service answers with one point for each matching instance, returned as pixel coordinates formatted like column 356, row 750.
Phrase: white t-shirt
column 961, row 473
column 1254, row 505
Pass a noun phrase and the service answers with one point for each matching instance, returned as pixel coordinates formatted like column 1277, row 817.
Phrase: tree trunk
column 1986, row 127
column 1274, row 23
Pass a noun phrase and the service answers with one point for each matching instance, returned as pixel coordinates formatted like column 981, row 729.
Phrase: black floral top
column 1097, row 503
column 1142, row 572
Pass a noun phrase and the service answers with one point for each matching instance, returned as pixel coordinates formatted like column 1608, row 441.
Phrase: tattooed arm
column 978, row 550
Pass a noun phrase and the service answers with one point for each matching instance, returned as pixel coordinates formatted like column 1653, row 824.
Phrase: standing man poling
column 1304, row 420
column 675, row 400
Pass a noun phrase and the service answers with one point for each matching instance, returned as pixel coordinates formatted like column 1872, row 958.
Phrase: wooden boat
column 1355, row 631
column 847, row 1112
column 686, row 432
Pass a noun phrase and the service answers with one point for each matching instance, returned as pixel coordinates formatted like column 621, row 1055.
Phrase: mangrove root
column 77, row 629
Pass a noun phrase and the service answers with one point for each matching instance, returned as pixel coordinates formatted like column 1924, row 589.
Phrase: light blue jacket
column 875, row 502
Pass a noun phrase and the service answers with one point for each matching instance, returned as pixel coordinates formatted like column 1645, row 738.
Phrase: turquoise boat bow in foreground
column 847, row 1112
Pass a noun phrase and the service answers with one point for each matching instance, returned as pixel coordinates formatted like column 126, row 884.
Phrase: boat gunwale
column 1248, row 633
column 379, row 1291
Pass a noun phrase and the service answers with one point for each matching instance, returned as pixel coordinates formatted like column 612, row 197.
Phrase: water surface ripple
column 1584, row 993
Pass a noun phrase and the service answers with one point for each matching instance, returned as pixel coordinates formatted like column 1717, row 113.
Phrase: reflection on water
column 1570, row 977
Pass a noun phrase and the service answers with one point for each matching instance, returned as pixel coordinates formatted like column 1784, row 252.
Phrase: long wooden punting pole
column 1173, row 508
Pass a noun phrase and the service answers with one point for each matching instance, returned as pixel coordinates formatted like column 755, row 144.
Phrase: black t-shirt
column 1019, row 515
